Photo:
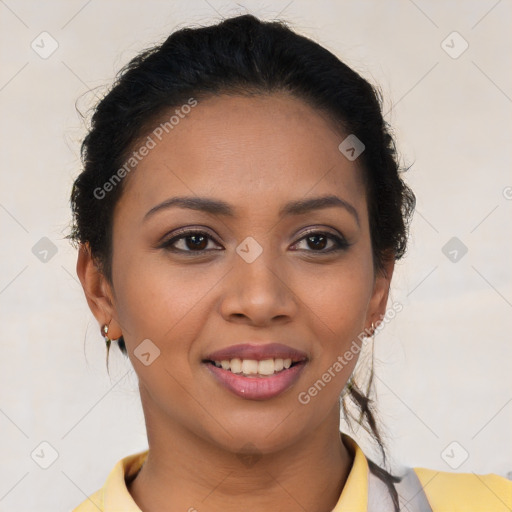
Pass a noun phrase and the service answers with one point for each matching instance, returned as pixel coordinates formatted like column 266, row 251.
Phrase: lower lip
column 257, row 388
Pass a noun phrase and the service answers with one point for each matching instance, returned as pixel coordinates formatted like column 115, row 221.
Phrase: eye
column 196, row 241
column 191, row 241
column 319, row 240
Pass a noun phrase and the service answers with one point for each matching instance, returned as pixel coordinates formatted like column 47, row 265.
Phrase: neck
column 185, row 472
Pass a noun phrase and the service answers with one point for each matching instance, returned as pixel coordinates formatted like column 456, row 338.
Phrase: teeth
column 266, row 367
column 249, row 367
column 235, row 365
column 253, row 367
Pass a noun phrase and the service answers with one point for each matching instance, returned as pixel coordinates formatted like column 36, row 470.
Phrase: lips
column 258, row 352
column 243, row 365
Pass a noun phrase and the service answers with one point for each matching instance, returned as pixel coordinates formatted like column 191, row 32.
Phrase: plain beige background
column 443, row 364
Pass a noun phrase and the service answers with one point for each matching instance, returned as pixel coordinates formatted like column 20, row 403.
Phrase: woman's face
column 267, row 281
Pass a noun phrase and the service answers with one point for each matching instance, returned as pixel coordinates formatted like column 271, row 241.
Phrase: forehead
column 253, row 150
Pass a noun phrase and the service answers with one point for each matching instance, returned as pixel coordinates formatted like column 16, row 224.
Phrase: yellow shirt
column 445, row 491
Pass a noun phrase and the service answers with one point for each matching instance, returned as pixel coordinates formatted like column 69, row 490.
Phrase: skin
column 257, row 154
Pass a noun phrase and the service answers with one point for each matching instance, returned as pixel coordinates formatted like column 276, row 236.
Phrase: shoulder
column 462, row 492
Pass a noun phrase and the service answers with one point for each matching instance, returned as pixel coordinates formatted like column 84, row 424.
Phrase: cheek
column 338, row 300
column 162, row 301
column 339, row 297
column 339, row 306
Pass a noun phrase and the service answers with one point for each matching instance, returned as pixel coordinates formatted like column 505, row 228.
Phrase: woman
column 238, row 219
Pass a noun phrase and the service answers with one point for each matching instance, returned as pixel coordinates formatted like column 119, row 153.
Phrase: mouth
column 256, row 372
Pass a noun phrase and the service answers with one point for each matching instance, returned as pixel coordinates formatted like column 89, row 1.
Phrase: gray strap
column 411, row 496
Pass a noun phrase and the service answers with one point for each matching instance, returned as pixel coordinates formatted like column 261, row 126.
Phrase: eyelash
column 341, row 243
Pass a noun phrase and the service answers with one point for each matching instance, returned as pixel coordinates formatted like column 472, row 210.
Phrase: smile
column 256, row 371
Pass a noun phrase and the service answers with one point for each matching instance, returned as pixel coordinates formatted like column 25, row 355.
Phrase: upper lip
column 258, row 352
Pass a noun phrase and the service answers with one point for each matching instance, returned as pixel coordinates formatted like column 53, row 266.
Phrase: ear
column 380, row 294
column 98, row 292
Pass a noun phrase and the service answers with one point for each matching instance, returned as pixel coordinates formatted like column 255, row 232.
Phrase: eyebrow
column 219, row 207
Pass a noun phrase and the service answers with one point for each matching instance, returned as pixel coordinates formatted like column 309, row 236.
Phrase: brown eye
column 317, row 241
column 199, row 242
column 191, row 241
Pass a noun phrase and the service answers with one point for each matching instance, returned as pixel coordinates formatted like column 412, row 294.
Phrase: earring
column 105, row 336
column 107, row 339
column 370, row 332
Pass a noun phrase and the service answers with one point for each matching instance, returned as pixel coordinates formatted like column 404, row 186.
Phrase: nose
column 260, row 292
